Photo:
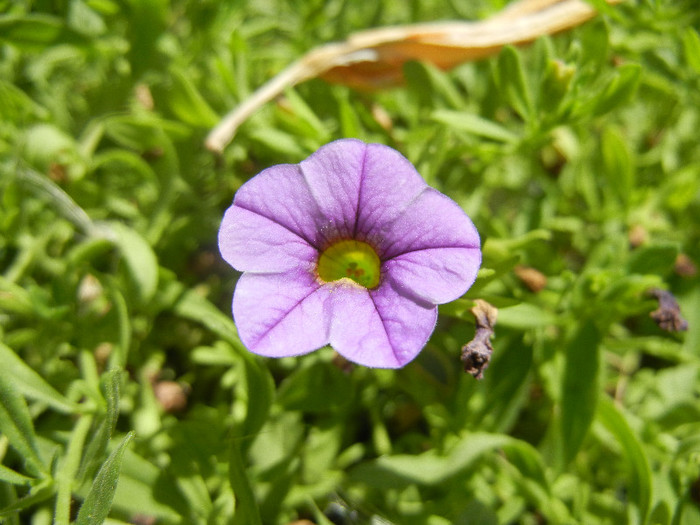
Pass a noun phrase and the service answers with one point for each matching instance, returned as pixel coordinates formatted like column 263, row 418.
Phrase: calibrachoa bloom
column 350, row 248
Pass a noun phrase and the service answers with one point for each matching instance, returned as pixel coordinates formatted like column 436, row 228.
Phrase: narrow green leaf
column 97, row 445
column 639, row 488
column 507, row 386
column 579, row 388
column 657, row 258
column 691, row 45
column 317, row 388
column 98, row 501
column 347, row 116
column 37, row 494
column 260, row 388
column 278, row 142
column 473, row 124
column 428, row 468
column 140, row 260
column 188, row 103
column 617, row 163
column 431, row 83
column 511, row 80
column 66, row 474
column 17, row 105
column 31, row 384
column 529, row 462
column 247, row 511
column 60, row 201
column 194, row 307
column 526, row 315
column 619, row 90
column 555, row 85
column 301, row 110
column 14, row 298
column 10, row 476
column 32, row 31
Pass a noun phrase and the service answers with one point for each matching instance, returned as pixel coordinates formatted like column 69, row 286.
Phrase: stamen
column 350, row 259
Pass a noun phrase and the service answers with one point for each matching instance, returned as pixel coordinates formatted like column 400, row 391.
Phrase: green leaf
column 350, row 125
column 526, row 315
column 194, row 307
column 691, row 46
column 579, row 388
column 33, row 31
column 37, row 494
column 653, row 259
column 619, row 90
column 260, row 393
column 15, row 478
column 247, row 511
column 68, row 468
column 473, row 124
column 428, row 468
column 140, row 260
column 555, row 85
column 617, row 163
column 507, row 385
column 188, row 103
column 639, row 487
column 16, row 424
column 14, row 298
column 98, row 501
column 278, row 142
column 307, row 122
column 144, row 489
column 316, row 388
column 60, row 201
column 97, row 445
column 29, row 383
column 510, row 77
column 17, row 105
column 429, row 82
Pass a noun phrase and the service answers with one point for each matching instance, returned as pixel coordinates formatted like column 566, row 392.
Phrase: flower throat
column 350, row 259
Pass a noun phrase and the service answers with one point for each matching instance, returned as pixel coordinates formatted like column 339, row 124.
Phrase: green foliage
column 126, row 394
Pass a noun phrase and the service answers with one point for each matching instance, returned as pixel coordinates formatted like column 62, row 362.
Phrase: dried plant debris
column 668, row 314
column 374, row 59
column 533, row 279
column 685, row 267
column 476, row 354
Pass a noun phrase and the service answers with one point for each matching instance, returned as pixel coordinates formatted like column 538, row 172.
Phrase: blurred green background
column 576, row 156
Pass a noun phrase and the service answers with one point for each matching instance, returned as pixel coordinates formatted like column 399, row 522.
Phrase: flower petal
column 283, row 314
column 432, row 251
column 334, row 173
column 389, row 185
column 249, row 241
column 379, row 328
column 432, row 220
column 436, row 275
column 281, row 195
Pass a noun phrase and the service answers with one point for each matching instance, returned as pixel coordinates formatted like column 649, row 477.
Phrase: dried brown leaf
column 476, row 354
column 375, row 58
column 668, row 314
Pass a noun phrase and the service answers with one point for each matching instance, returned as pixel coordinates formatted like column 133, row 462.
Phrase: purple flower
column 350, row 248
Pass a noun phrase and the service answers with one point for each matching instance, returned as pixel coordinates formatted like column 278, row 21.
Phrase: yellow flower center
column 350, row 259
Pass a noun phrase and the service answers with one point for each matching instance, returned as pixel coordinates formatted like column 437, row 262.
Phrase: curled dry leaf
column 476, row 354
column 374, row 59
column 668, row 314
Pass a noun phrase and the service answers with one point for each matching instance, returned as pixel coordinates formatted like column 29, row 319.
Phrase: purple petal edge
column 282, row 314
column 380, row 328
